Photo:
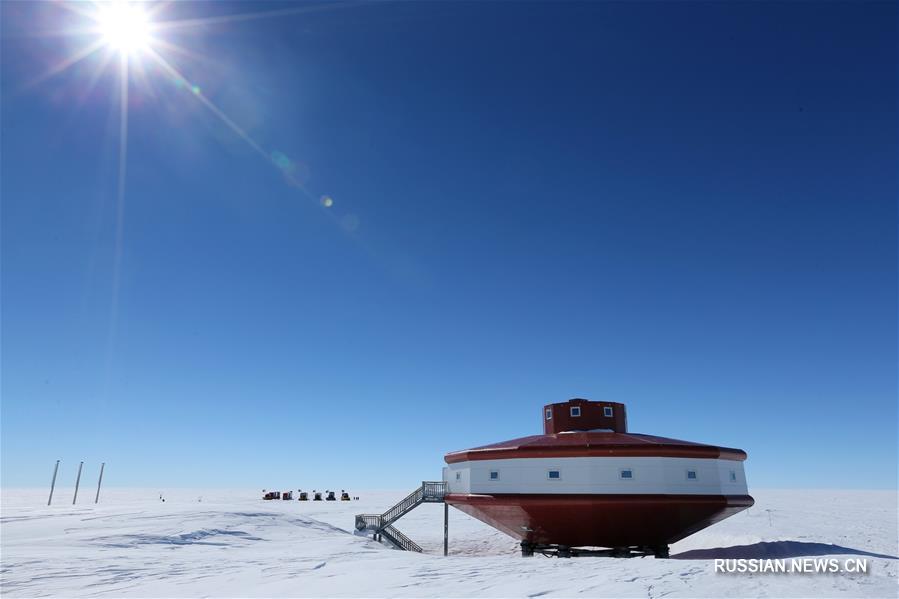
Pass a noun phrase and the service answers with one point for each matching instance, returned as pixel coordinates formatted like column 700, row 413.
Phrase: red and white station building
column 587, row 482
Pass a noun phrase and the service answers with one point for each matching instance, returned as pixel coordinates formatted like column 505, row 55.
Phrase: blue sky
column 689, row 208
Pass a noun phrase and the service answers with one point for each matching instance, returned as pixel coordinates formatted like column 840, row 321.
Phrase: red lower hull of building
column 600, row 520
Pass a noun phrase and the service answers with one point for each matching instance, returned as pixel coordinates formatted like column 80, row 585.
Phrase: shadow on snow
column 776, row 550
column 196, row 537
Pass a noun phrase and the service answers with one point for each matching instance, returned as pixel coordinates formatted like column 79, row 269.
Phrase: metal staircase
column 381, row 524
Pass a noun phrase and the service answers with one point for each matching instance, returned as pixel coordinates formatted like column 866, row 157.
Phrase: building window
column 691, row 475
column 626, row 474
column 494, row 475
column 575, row 411
column 607, row 411
column 458, row 476
column 554, row 474
column 733, row 476
column 549, row 413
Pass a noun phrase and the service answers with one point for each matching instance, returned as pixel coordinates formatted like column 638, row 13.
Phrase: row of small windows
column 575, row 412
column 607, row 411
column 623, row 474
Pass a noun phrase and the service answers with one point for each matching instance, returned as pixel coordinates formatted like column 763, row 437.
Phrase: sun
column 124, row 27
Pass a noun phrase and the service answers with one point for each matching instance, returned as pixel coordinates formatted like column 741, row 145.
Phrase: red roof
column 588, row 444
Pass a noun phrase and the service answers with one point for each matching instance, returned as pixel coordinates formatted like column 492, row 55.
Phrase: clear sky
column 689, row 208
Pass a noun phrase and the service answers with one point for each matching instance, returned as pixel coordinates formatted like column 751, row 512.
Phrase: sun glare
column 134, row 31
column 124, row 27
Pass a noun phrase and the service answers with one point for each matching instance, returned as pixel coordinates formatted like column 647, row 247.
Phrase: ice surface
column 230, row 543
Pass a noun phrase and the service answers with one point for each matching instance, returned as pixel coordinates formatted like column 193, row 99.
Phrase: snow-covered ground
column 224, row 543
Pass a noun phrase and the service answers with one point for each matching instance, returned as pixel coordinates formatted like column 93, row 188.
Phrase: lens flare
column 124, row 27
column 133, row 32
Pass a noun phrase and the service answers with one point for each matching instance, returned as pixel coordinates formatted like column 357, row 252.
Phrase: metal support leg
column 53, row 482
column 445, row 528
column 527, row 549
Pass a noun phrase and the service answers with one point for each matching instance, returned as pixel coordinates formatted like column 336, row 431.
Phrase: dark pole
column 77, row 481
column 445, row 528
column 100, row 480
column 53, row 482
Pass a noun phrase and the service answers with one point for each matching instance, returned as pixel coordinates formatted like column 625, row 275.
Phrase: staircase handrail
column 428, row 492
column 402, row 506
column 397, row 538
column 435, row 490
column 369, row 522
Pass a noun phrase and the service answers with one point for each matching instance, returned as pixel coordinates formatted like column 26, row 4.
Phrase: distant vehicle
column 304, row 496
column 344, row 496
column 272, row 495
column 330, row 496
column 287, row 495
column 316, row 496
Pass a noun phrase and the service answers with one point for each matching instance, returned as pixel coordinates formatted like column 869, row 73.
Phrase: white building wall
column 598, row 475
column 458, row 480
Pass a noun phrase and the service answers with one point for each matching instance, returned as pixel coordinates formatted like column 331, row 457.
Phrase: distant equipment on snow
column 304, row 495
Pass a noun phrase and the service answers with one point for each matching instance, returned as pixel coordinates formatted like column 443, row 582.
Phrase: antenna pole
column 99, row 481
column 53, row 482
column 77, row 481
